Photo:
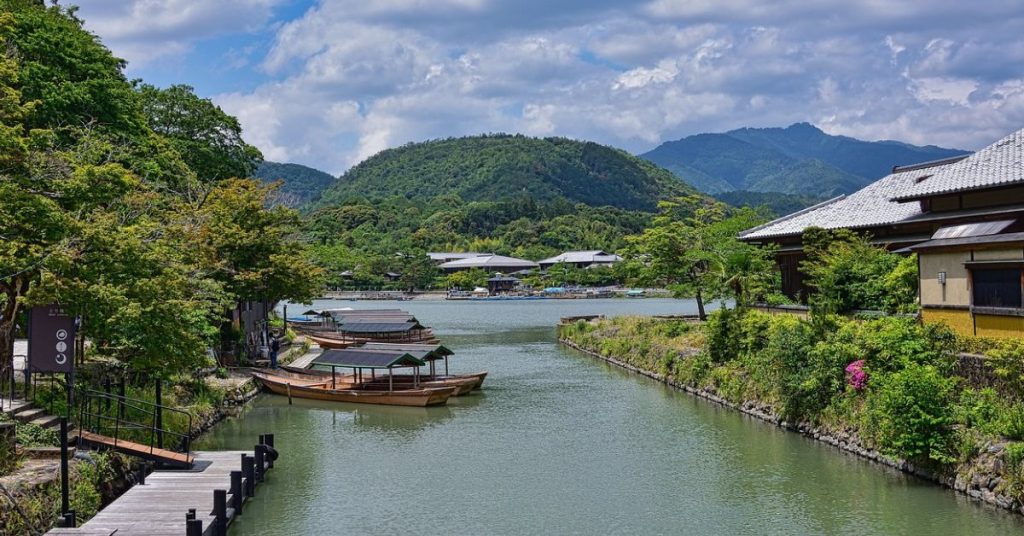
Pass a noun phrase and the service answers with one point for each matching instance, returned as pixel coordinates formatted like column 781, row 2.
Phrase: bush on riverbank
column 906, row 402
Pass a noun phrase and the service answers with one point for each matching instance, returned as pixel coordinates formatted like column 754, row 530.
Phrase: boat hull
column 319, row 389
column 463, row 384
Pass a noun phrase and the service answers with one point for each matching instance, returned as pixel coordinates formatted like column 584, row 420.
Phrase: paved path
column 158, row 508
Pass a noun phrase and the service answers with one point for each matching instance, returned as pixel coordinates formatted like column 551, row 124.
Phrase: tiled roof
column 1001, row 163
column 490, row 261
column 867, row 207
column 582, row 256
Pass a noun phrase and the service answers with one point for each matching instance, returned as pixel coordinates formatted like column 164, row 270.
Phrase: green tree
column 692, row 249
column 207, row 138
column 850, row 274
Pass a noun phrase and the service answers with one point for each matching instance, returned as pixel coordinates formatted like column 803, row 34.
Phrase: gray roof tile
column 1001, row 163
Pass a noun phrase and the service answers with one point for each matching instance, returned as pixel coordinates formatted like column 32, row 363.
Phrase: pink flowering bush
column 856, row 376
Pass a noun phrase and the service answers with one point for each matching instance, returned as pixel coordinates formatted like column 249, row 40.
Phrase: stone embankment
column 979, row 479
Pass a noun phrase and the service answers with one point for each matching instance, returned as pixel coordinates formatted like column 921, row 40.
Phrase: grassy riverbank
column 885, row 388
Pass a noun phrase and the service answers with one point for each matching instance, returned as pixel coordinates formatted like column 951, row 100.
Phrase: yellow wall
column 958, row 291
column 999, row 326
column 958, row 320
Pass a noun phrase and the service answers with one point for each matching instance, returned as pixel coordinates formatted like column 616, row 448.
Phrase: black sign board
column 51, row 339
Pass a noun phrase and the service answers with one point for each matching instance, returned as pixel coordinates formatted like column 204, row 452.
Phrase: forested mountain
column 504, row 166
column 799, row 159
column 299, row 184
column 780, row 204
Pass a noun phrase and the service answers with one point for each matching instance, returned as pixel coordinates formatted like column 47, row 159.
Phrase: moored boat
column 316, row 388
column 463, row 384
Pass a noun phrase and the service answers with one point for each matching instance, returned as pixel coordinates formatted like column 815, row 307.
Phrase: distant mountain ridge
column 299, row 184
column 500, row 166
column 800, row 159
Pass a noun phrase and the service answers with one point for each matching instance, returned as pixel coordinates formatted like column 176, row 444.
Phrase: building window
column 997, row 287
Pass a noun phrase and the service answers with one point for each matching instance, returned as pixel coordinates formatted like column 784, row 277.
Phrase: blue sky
column 328, row 83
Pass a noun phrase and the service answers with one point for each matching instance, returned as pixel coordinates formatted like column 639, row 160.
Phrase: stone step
column 22, row 408
column 46, row 421
column 29, row 415
column 8, row 406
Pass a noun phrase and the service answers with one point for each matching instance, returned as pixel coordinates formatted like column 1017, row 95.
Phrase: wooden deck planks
column 158, row 508
column 135, row 448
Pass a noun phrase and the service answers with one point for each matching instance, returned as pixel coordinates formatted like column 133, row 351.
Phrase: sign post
column 51, row 344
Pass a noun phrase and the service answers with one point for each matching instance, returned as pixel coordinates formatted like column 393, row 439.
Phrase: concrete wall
column 957, row 288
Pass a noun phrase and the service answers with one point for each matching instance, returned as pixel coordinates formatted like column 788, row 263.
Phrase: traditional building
column 489, row 263
column 907, row 206
column 581, row 259
column 443, row 257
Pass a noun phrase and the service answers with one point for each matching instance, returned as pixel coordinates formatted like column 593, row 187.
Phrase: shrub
column 32, row 435
column 910, row 413
column 723, row 330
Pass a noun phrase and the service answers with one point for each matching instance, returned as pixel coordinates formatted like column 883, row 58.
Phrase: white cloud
column 142, row 31
column 350, row 78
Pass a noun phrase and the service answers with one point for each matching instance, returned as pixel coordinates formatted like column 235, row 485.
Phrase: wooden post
column 220, row 511
column 237, row 494
column 391, row 379
column 333, row 373
column 288, row 387
column 268, row 440
column 260, row 460
column 249, row 470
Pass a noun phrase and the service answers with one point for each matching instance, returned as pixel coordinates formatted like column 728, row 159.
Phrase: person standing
column 275, row 345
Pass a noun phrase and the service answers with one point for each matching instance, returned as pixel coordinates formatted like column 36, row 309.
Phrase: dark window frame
column 997, row 287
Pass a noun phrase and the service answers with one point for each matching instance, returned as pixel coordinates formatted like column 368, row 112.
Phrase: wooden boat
column 316, row 388
column 326, row 342
column 463, row 384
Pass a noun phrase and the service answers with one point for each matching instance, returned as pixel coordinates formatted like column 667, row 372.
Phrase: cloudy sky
column 327, row 83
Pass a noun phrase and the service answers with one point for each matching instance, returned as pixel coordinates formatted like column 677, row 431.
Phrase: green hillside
column 299, row 184
column 504, row 166
column 799, row 159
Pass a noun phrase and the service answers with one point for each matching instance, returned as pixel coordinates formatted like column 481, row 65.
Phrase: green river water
column 561, row 443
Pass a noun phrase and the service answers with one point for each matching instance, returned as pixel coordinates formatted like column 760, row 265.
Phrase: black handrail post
column 268, row 440
column 194, row 527
column 158, row 423
column 237, row 495
column 220, row 511
column 65, row 503
column 191, row 514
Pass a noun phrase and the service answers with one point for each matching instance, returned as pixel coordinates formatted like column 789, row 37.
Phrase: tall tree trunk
column 12, row 290
column 701, row 313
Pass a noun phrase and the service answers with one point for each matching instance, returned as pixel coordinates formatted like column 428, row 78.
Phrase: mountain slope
column 799, row 159
column 491, row 167
column 300, row 184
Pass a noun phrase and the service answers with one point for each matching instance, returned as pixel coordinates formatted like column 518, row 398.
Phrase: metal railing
column 132, row 420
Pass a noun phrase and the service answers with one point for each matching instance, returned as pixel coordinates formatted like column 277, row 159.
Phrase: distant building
column 441, row 257
column 964, row 217
column 502, row 283
column 581, row 259
column 490, row 263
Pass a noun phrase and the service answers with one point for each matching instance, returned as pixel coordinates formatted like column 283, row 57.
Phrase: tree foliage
column 209, row 140
column 107, row 217
column 691, row 248
column 846, row 273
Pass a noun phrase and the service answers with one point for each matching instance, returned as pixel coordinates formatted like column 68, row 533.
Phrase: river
column 561, row 443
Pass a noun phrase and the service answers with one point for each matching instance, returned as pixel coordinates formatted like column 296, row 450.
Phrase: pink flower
column 856, row 377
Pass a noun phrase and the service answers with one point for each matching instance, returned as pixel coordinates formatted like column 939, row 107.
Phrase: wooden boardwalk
column 158, row 507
